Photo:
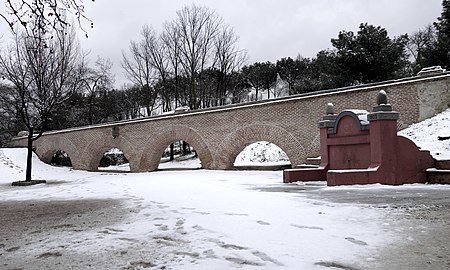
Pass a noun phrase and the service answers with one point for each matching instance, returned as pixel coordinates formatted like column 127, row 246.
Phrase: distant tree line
column 195, row 62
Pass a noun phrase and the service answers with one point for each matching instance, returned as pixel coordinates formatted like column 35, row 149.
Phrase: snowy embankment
column 179, row 220
column 432, row 134
column 262, row 154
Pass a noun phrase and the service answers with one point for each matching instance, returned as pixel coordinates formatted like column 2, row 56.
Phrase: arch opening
column 61, row 159
column 179, row 155
column 262, row 155
column 114, row 160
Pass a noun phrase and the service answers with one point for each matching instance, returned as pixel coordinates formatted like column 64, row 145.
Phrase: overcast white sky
column 268, row 30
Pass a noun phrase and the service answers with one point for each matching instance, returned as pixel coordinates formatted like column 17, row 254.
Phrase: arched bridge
column 219, row 134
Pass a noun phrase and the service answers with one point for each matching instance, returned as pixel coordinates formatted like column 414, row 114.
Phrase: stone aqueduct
column 220, row 134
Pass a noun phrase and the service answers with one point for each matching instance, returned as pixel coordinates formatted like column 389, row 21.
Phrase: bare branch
column 43, row 16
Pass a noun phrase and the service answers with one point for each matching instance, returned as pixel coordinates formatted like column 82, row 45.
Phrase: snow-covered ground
column 262, row 153
column 432, row 134
column 189, row 220
column 186, row 220
column 181, row 162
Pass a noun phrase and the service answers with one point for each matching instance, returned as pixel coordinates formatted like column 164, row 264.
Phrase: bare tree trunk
column 185, row 147
column 29, row 156
column 172, row 156
column 91, row 113
column 176, row 89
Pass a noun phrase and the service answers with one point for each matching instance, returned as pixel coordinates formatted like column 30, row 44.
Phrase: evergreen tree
column 295, row 72
column 370, row 55
column 261, row 76
column 443, row 35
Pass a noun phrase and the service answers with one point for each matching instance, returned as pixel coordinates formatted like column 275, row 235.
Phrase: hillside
column 432, row 134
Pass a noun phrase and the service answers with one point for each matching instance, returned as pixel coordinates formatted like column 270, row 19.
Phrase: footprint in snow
column 236, row 214
column 263, row 256
column 307, row 227
column 262, row 222
column 202, row 213
column 233, row 247
column 240, row 261
column 355, row 241
column 180, row 222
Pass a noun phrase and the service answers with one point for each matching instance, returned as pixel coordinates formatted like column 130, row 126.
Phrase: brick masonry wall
column 220, row 134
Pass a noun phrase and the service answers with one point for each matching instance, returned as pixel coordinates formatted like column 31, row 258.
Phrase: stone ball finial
column 382, row 97
column 330, row 109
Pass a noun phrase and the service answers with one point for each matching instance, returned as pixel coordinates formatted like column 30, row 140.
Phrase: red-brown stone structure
column 358, row 147
column 219, row 134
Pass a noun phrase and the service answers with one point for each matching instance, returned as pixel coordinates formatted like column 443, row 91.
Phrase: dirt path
column 29, row 231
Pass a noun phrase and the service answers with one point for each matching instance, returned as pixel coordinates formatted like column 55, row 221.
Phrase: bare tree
column 50, row 15
column 42, row 78
column 95, row 80
column 420, row 40
column 154, row 46
column 197, row 27
column 172, row 40
column 195, row 50
column 140, row 66
column 422, row 46
column 228, row 59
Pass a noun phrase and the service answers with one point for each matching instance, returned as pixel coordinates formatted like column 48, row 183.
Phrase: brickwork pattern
column 219, row 134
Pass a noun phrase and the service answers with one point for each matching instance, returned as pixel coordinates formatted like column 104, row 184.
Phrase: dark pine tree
column 443, row 35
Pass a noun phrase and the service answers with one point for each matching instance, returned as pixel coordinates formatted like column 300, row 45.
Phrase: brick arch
column 97, row 147
column 233, row 144
column 163, row 137
column 45, row 149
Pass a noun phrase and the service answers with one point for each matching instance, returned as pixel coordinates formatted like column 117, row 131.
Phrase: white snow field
column 185, row 220
column 432, row 134
column 186, row 162
column 220, row 219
